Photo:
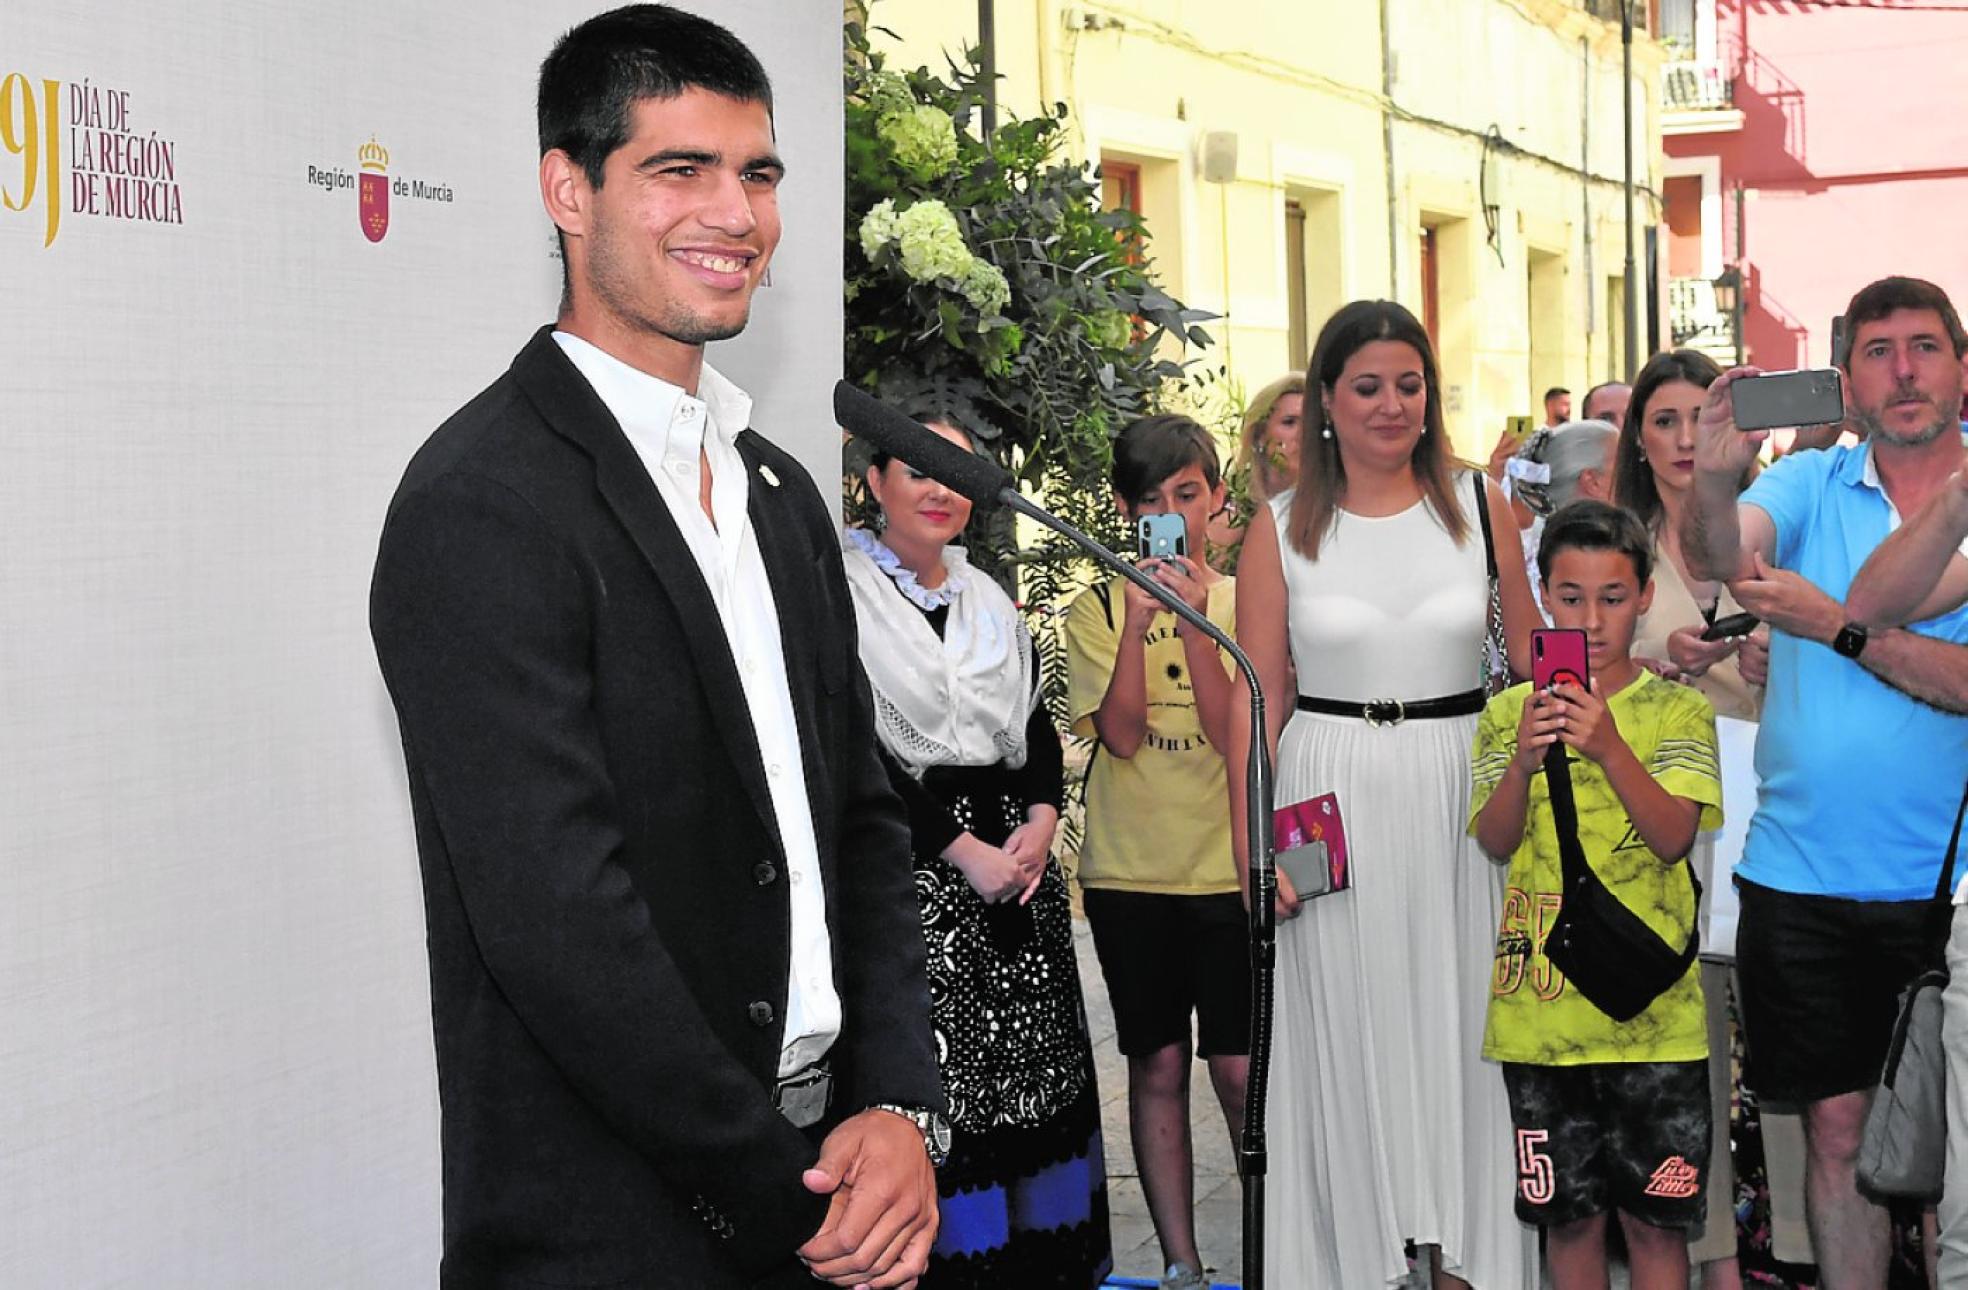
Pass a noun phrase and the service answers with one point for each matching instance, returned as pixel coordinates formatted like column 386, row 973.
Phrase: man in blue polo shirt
column 1860, row 757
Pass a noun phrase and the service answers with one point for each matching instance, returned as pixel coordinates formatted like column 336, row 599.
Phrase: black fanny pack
column 1604, row 949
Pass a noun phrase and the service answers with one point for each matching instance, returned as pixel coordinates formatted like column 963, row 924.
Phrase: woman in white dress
column 1388, row 1130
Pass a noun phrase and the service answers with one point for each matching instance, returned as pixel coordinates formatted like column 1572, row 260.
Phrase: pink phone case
column 1560, row 654
column 1306, row 828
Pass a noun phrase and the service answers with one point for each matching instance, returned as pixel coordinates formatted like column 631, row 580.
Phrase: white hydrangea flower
column 984, row 285
column 930, row 243
column 878, row 227
column 924, row 139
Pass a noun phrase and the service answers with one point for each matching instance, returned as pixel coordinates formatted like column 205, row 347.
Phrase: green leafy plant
column 984, row 281
column 982, row 276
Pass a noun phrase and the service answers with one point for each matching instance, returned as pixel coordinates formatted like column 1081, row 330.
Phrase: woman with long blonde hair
column 1268, row 445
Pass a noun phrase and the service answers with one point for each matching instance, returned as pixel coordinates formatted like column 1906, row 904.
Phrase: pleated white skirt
column 1386, row 1125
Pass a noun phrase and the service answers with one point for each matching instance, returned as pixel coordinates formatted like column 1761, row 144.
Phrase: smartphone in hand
column 1161, row 537
column 1559, row 655
column 1787, row 399
column 1734, row 625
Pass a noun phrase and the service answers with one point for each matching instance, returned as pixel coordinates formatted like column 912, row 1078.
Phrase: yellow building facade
column 1461, row 156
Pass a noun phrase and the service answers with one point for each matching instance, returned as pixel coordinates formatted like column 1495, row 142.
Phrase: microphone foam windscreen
column 866, row 417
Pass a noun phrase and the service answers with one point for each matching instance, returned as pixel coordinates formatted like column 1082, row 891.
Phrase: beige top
column 1675, row 607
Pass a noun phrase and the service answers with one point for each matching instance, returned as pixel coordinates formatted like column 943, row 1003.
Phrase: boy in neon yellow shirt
column 1610, row 1116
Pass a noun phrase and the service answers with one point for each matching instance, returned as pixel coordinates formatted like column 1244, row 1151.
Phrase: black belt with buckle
column 802, row 1097
column 1392, row 712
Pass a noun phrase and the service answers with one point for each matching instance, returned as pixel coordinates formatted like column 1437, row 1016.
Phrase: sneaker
column 1180, row 1276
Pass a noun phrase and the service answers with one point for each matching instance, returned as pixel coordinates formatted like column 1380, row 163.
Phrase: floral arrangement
column 984, row 279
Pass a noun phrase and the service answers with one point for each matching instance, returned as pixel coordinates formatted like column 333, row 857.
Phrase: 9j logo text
column 30, row 131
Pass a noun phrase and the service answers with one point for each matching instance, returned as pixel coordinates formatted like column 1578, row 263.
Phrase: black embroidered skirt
column 1024, row 1194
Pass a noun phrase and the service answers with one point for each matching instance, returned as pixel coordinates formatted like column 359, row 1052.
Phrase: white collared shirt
column 668, row 427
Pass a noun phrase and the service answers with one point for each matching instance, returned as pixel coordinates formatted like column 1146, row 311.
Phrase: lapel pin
column 765, row 472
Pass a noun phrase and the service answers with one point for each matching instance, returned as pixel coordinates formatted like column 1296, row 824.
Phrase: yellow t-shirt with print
column 1158, row 821
column 1535, row 1017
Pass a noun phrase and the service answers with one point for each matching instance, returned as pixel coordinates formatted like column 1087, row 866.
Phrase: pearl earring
column 1326, row 433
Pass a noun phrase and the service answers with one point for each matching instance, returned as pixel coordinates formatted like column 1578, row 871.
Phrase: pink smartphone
column 1559, row 654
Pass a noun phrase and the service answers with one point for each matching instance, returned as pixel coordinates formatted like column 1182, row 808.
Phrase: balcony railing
column 1698, row 85
column 1697, row 321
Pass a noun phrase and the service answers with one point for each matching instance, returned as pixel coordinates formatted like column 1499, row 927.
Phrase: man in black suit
column 676, row 964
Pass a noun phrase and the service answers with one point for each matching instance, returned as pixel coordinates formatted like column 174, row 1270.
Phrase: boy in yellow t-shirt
column 1156, row 870
column 1609, row 1116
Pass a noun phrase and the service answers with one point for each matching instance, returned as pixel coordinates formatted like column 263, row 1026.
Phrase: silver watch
column 935, row 1129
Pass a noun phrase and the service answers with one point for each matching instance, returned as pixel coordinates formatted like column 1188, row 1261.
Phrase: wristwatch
column 935, row 1129
column 1851, row 640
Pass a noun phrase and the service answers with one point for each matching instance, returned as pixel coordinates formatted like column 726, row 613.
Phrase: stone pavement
column 1219, row 1202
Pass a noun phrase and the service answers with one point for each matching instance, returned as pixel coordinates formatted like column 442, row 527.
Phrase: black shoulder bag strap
column 1942, row 912
column 1483, row 516
column 1494, row 641
column 1106, row 596
column 1575, row 867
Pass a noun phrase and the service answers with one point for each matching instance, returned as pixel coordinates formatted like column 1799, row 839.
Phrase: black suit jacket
column 608, row 915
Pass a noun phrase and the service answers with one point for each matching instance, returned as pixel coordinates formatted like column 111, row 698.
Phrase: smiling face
column 1598, row 592
column 1379, row 404
column 668, row 250
column 1905, row 379
column 922, row 514
column 1667, row 433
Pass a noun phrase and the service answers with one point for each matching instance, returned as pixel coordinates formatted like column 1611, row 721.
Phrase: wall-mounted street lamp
column 1728, row 302
column 1728, row 290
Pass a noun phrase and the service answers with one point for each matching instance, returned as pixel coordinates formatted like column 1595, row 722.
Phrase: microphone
column 958, row 469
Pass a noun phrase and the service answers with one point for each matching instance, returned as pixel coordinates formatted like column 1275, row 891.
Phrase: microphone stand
column 1251, row 1153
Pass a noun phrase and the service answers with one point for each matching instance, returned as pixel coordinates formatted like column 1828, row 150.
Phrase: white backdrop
column 215, row 1055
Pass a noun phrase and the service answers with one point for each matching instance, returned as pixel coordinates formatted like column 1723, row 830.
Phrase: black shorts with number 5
column 1630, row 1136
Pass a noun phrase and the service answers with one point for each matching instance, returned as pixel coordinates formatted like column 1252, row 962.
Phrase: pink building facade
column 1812, row 146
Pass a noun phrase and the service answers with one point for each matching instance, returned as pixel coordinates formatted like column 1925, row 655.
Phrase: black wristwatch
column 1851, row 640
column 935, row 1129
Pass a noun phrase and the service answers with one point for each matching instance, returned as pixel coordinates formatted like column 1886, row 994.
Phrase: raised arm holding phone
column 1859, row 778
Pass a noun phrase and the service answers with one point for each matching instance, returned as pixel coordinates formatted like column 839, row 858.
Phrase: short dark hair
column 1592, row 525
column 1633, row 478
column 1150, row 449
column 601, row 69
column 1888, row 296
column 1554, row 392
